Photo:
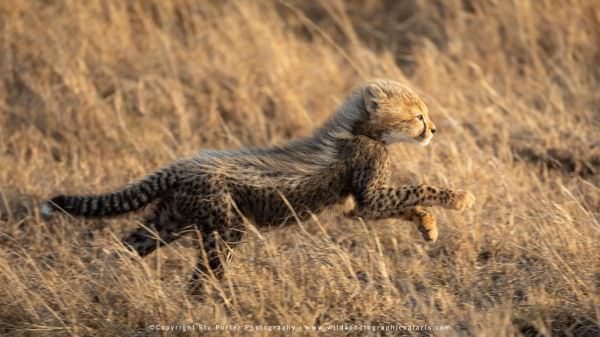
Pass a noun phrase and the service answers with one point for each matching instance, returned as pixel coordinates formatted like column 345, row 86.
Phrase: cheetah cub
column 347, row 157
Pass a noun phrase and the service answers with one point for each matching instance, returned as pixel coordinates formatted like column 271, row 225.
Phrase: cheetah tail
column 130, row 198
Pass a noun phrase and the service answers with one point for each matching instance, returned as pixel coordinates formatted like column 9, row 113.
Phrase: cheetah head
column 394, row 113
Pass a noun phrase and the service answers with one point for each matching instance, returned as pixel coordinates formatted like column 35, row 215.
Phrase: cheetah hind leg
column 424, row 220
column 214, row 249
column 218, row 228
column 158, row 230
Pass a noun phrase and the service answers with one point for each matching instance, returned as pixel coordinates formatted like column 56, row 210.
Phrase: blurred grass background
column 94, row 94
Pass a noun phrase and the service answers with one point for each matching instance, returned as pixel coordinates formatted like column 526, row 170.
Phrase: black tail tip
column 51, row 206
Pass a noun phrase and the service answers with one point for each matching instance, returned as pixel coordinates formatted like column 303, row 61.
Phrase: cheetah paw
column 428, row 228
column 462, row 200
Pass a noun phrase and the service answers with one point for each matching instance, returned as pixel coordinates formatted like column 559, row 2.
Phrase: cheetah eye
column 420, row 117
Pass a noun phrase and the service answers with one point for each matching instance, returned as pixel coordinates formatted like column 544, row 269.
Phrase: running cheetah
column 346, row 158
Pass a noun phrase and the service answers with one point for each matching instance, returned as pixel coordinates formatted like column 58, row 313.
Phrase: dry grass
column 97, row 93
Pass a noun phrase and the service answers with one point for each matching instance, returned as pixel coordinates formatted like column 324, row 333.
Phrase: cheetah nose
column 433, row 130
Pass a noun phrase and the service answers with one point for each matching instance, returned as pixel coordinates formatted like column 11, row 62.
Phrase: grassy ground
column 95, row 93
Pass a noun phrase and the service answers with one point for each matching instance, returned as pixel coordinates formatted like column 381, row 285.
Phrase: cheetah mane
column 297, row 158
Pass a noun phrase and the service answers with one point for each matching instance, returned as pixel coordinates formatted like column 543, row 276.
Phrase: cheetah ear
column 372, row 95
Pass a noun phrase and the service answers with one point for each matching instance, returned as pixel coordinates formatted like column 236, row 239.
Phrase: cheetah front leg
column 406, row 203
column 424, row 220
column 388, row 202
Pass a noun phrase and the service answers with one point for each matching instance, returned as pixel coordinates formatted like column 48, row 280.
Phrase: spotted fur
column 347, row 158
